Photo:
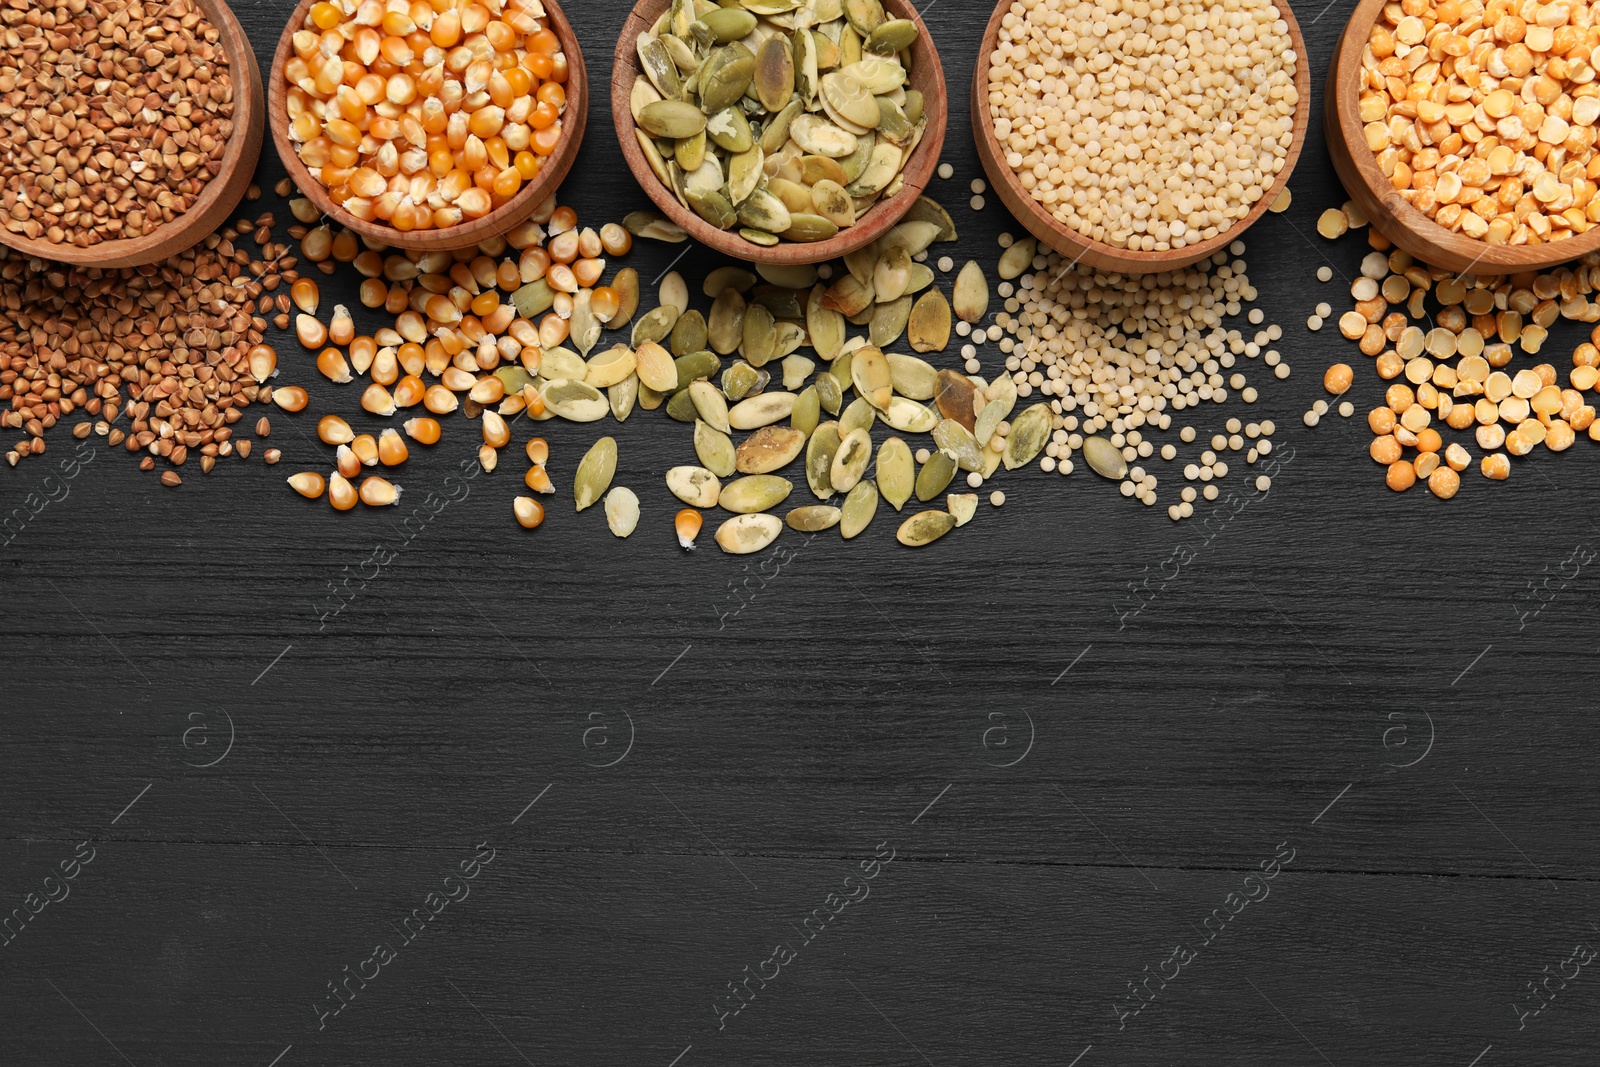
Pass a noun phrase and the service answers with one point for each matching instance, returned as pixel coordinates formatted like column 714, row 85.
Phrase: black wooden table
column 1325, row 796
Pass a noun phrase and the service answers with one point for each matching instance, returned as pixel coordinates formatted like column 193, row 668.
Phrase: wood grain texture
column 1293, row 661
column 1068, row 241
column 220, row 196
column 1402, row 223
column 496, row 223
column 927, row 76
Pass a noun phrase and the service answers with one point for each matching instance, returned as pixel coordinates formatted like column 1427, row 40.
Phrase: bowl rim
column 498, row 221
column 1097, row 253
column 217, row 200
column 1427, row 240
column 879, row 219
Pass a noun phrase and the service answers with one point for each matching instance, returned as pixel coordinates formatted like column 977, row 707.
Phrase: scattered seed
column 595, row 472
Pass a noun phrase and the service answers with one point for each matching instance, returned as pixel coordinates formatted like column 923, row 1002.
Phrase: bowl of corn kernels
column 427, row 124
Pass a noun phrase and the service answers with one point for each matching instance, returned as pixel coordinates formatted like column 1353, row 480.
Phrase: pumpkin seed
column 914, row 109
column 761, row 410
column 513, row 379
column 864, row 16
column 935, row 475
column 768, row 449
column 765, row 212
column 673, row 292
column 858, row 416
column 805, row 65
column 895, row 472
column 805, row 227
column 740, row 380
column 813, row 517
column 927, row 209
column 889, row 321
column 850, row 99
column 746, row 534
column 928, row 328
column 953, row 394
column 575, row 400
column 654, row 325
column 774, row 72
column 723, row 84
column 654, row 226
column 744, row 175
column 680, row 406
column 776, row 132
column 1018, row 258
column 879, row 171
column 623, row 395
column 710, row 403
column 829, row 200
column 726, row 324
column 788, row 275
column 584, row 329
column 891, row 37
column 735, row 278
column 1001, row 397
column 533, row 299
column 820, row 450
column 971, row 293
column 850, row 462
column 642, row 95
column 908, row 416
column 649, row 398
column 924, row 528
column 758, row 237
column 610, row 367
column 626, row 283
column 690, row 152
column 814, row 169
column 822, row 138
column 770, row 7
column 825, row 325
column 672, row 118
column 807, row 410
column 728, row 24
column 1030, row 432
column 860, row 505
column 956, row 439
column 892, row 122
column 861, row 263
column 622, row 511
column 879, row 74
column 962, row 507
column 911, row 377
column 1104, row 458
column 695, row 486
column 658, row 66
column 869, row 371
column 755, row 492
column 693, row 367
column 891, row 275
column 689, row 334
column 847, row 296
column 783, row 303
column 715, row 449
column 560, row 362
column 840, row 370
column 759, row 342
column 729, row 130
column 595, row 471
column 912, row 235
column 829, row 396
column 796, row 369
column 713, row 207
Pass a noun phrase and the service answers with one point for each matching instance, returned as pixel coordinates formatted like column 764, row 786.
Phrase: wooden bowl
column 1386, row 209
column 1069, row 242
column 497, row 222
column 927, row 76
column 220, row 196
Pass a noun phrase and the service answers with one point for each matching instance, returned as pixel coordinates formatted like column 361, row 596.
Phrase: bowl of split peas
column 427, row 124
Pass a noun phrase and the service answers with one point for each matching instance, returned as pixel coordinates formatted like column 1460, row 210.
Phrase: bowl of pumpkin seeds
column 780, row 131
